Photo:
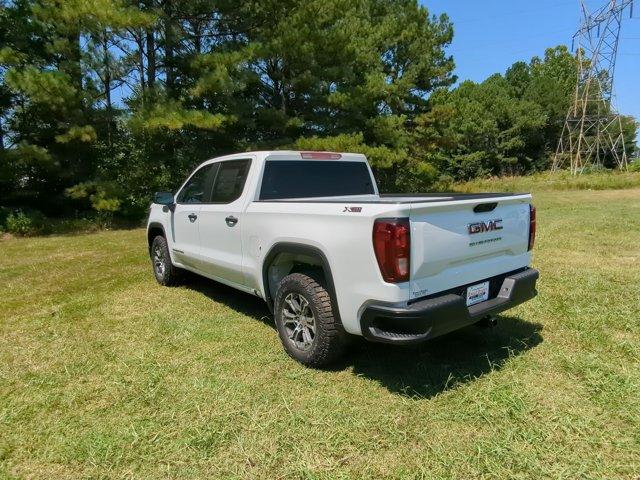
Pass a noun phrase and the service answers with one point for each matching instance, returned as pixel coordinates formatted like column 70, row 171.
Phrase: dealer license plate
column 477, row 293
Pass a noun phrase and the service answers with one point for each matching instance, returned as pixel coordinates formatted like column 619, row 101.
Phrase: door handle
column 192, row 217
column 231, row 220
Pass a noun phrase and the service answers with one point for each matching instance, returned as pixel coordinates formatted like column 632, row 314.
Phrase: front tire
column 165, row 272
column 305, row 321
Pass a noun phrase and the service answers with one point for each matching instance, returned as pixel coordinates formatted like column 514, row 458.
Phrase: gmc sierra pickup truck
column 309, row 233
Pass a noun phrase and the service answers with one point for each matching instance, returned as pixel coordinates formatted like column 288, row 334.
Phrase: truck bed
column 444, row 252
column 399, row 198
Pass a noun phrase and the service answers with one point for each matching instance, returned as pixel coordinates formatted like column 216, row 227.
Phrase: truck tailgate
column 459, row 242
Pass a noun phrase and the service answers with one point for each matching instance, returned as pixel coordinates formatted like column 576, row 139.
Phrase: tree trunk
column 284, row 91
column 151, row 60
column 1, row 136
column 77, row 58
column 140, row 43
column 107, row 84
column 74, row 67
column 197, row 40
column 196, row 26
column 169, row 46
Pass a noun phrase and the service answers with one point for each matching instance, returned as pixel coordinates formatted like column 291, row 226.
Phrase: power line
column 512, row 14
column 501, row 43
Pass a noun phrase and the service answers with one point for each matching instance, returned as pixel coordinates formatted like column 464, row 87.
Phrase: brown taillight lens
column 392, row 245
column 532, row 226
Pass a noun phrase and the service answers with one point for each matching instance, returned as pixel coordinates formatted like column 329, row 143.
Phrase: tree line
column 104, row 101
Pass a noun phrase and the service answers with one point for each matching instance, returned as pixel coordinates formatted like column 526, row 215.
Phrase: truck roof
column 262, row 155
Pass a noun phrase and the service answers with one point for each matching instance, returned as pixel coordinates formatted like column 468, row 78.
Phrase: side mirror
column 164, row 198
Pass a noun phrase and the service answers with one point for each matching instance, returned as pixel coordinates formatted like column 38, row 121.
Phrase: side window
column 230, row 181
column 197, row 189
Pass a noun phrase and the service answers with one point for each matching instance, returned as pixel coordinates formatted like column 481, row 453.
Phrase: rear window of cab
column 286, row 179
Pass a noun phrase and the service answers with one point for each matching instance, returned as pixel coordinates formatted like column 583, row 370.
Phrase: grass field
column 552, row 181
column 104, row 374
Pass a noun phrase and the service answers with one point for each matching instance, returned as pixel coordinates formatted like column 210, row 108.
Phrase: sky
column 490, row 35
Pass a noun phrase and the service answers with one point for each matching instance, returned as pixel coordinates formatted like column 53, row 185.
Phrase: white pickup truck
column 309, row 233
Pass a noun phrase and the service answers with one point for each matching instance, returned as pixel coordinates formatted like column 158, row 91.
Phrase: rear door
column 221, row 222
column 459, row 242
column 185, row 217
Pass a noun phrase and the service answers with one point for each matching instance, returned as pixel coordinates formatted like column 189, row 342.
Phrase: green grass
column 104, row 374
column 548, row 181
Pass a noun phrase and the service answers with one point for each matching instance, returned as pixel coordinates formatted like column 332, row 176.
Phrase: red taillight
column 392, row 244
column 532, row 226
column 320, row 155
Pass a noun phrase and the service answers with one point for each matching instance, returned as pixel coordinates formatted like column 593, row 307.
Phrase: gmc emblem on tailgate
column 481, row 227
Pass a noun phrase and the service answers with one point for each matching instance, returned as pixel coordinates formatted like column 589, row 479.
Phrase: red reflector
column 532, row 226
column 320, row 155
column 392, row 245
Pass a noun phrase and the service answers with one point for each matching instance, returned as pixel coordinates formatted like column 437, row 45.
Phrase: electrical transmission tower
column 593, row 129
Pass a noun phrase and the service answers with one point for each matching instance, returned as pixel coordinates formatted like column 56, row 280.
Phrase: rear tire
column 305, row 321
column 165, row 272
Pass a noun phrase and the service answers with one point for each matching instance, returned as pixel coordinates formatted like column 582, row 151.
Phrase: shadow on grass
column 244, row 303
column 418, row 371
column 445, row 362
